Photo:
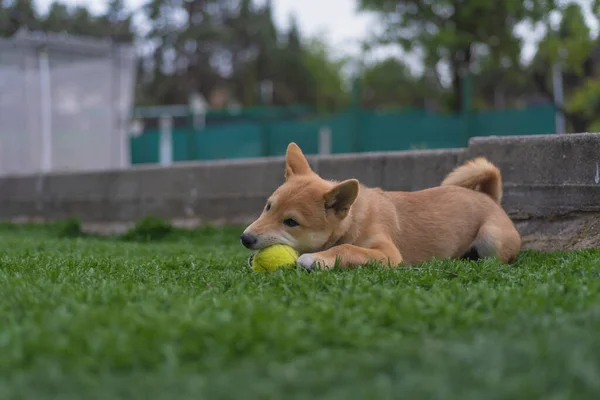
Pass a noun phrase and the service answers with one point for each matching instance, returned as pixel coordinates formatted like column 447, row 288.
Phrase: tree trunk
column 460, row 65
column 456, row 104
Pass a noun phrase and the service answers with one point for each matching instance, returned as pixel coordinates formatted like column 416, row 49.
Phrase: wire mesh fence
column 65, row 103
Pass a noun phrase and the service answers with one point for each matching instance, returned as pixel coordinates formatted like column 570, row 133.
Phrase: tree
column 4, row 18
column 501, row 86
column 457, row 33
column 390, row 84
column 233, row 45
column 58, row 18
column 118, row 21
column 253, row 43
column 292, row 76
column 17, row 14
column 571, row 44
column 325, row 81
column 180, row 60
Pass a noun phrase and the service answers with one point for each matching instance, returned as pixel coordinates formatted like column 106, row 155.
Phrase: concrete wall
column 220, row 191
column 545, row 177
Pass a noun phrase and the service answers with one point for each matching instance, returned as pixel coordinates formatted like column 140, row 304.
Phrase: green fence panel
column 144, row 148
column 383, row 131
column 352, row 131
column 533, row 120
column 241, row 140
column 346, row 129
column 184, row 144
column 305, row 133
column 220, row 142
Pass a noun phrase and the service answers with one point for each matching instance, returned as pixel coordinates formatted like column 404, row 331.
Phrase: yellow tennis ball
column 274, row 257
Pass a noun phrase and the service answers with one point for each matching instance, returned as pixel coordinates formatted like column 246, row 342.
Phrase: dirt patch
column 571, row 232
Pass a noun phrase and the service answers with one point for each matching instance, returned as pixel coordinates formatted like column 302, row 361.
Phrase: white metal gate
column 64, row 103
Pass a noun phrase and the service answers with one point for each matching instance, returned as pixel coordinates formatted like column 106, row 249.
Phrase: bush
column 69, row 228
column 149, row 228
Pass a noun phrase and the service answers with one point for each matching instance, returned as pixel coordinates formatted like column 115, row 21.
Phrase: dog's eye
column 290, row 222
column 268, row 207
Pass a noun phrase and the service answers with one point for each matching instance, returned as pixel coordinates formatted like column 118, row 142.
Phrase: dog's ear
column 339, row 198
column 295, row 162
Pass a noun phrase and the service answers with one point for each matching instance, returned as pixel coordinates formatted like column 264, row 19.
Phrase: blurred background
column 97, row 85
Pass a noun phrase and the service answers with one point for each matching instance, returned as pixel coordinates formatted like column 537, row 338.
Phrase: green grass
column 184, row 318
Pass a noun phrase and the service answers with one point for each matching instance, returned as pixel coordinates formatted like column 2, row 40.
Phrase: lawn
column 182, row 317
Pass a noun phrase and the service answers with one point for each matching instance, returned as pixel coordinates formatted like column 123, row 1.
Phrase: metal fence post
column 198, row 107
column 325, row 140
column 557, row 83
column 165, row 144
column 467, row 105
column 45, row 110
column 356, row 115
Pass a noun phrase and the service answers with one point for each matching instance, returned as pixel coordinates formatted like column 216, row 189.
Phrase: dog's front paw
column 313, row 261
column 307, row 261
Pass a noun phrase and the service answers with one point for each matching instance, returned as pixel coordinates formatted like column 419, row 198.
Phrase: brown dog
column 347, row 224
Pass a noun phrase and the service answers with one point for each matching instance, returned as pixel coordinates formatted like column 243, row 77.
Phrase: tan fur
column 480, row 175
column 348, row 224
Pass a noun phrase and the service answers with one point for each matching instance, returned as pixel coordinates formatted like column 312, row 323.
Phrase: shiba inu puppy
column 347, row 224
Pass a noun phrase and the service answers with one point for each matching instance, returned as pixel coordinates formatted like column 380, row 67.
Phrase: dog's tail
column 478, row 174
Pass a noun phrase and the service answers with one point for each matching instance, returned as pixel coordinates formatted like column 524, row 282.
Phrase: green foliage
column 69, row 228
column 457, row 36
column 585, row 102
column 16, row 14
column 572, row 44
column 245, row 32
column 497, row 85
column 324, row 76
column 190, row 44
column 186, row 319
column 78, row 20
column 149, row 228
column 481, row 35
column 390, row 84
column 204, row 45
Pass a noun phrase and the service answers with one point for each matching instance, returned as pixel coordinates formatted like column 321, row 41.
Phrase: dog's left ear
column 295, row 162
column 339, row 198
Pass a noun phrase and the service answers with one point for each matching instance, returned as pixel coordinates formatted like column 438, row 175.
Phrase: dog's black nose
column 247, row 240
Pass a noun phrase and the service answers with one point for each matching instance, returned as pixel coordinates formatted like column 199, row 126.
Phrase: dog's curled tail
column 478, row 174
